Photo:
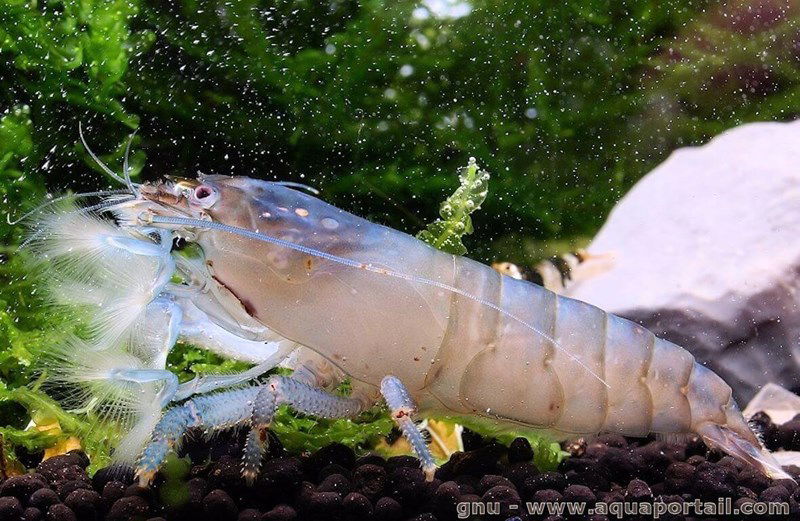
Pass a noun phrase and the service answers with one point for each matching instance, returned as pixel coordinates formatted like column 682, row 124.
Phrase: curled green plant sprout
column 455, row 222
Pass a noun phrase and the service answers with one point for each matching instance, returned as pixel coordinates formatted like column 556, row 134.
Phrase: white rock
column 780, row 404
column 707, row 254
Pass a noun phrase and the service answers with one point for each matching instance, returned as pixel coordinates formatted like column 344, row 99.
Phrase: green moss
column 174, row 492
column 302, row 433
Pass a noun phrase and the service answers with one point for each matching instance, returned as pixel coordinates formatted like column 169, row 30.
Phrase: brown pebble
column 60, row 512
column 219, row 505
column 10, row 508
column 32, row 514
column 280, row 513
column 43, row 498
column 388, row 509
column 127, row 508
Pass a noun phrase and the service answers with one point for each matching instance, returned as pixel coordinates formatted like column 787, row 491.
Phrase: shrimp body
column 468, row 342
column 419, row 325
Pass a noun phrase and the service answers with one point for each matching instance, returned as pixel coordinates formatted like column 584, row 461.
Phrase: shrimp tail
column 737, row 446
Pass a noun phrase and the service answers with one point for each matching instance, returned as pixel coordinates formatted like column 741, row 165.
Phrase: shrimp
column 561, row 272
column 432, row 333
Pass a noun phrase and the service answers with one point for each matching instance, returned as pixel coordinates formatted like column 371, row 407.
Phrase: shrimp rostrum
column 279, row 270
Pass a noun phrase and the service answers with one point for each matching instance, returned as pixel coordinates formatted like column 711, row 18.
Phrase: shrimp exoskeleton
column 282, row 271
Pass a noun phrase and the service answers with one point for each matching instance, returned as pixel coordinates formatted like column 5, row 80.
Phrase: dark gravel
column 334, row 484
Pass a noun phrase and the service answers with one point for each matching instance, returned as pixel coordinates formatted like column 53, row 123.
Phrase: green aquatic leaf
column 446, row 233
column 97, row 437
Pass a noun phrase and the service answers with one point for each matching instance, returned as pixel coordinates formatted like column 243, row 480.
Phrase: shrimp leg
column 253, row 405
column 174, row 392
column 402, row 408
column 211, row 382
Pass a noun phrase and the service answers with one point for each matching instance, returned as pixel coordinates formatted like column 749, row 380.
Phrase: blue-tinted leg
column 254, row 405
column 402, row 409
column 303, row 398
column 213, row 412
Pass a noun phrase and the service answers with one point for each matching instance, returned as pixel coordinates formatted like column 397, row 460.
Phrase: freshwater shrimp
column 560, row 272
column 432, row 333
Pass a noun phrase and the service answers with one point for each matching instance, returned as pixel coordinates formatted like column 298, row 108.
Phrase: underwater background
column 375, row 103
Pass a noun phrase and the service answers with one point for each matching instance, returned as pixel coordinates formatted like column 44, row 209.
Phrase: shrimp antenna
column 114, row 175
column 210, row 225
column 292, row 184
column 99, row 193
column 126, row 171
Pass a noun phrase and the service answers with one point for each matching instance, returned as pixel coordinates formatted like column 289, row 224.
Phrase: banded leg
column 402, row 409
column 253, row 405
column 215, row 412
column 303, row 398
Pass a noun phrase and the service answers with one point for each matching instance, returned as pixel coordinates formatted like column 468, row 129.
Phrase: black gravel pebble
column 249, row 514
column 112, row 491
column 357, row 506
column 85, row 503
column 60, row 512
column 388, row 509
column 369, row 479
column 520, row 450
column 281, row 474
column 121, row 473
column 333, row 484
column 32, row 514
column 323, row 505
column 638, row 490
column 43, row 498
column 543, row 481
column 579, row 493
column 21, row 487
column 280, row 513
column 335, row 453
column 219, row 505
column 10, row 508
column 128, row 509
column 52, row 468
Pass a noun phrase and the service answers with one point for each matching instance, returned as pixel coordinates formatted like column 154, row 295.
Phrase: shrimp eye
column 205, row 196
